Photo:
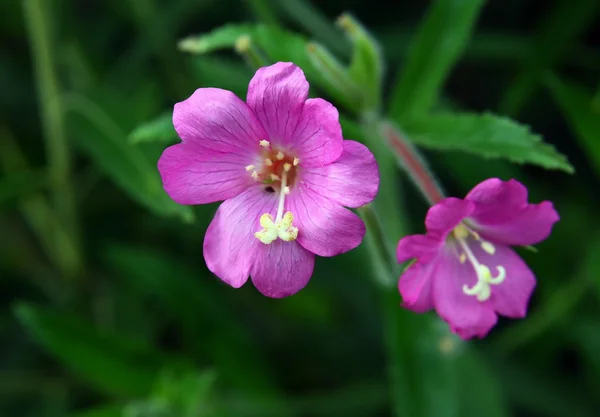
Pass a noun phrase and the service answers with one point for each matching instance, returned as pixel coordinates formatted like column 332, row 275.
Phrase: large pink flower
column 465, row 268
column 280, row 163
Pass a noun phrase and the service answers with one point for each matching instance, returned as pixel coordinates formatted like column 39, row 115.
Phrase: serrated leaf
column 437, row 46
column 159, row 130
column 584, row 119
column 106, row 144
column 110, row 362
column 486, row 135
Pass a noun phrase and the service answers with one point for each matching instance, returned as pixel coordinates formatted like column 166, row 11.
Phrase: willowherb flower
column 280, row 163
column 465, row 268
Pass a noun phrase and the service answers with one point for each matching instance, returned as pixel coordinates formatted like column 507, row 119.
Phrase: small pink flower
column 464, row 267
column 280, row 163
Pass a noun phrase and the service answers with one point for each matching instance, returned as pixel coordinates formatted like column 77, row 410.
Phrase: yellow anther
column 286, row 190
column 460, row 232
column 268, row 162
column 286, row 231
column 287, row 166
column 280, row 155
column 254, row 175
column 488, row 247
column 264, row 143
column 269, row 230
column 250, row 168
column 462, row 258
column 476, row 235
column 275, row 177
column 296, row 161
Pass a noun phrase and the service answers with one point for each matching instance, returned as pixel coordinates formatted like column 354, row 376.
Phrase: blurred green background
column 107, row 306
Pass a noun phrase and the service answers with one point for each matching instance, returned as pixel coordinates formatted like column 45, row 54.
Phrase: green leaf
column 223, row 37
column 123, row 162
column 111, row 363
column 435, row 49
column 556, row 35
column 583, row 117
column 15, row 185
column 486, row 135
column 159, row 130
column 219, row 72
column 278, row 45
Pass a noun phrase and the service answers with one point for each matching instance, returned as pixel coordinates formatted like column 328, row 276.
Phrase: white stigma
column 482, row 288
column 282, row 226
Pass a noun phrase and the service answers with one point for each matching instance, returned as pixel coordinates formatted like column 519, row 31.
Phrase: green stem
column 40, row 37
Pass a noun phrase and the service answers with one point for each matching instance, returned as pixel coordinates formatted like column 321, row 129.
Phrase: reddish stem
column 413, row 163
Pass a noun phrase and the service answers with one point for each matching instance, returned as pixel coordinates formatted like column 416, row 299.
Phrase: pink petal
column 422, row 247
column 466, row 316
column 446, row 215
column 317, row 138
column 281, row 268
column 229, row 243
column 277, row 94
column 511, row 297
column 325, row 228
column 502, row 213
column 218, row 120
column 352, row 180
column 192, row 174
column 415, row 286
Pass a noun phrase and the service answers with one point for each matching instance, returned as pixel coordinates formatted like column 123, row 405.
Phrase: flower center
column 482, row 289
column 278, row 172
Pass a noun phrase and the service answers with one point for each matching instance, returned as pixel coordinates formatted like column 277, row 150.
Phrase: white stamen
column 268, row 162
column 280, row 155
column 250, row 168
column 481, row 289
column 254, row 175
column 287, row 167
column 488, row 247
column 282, row 226
column 296, row 161
column 275, row 177
column 286, row 190
column 264, row 143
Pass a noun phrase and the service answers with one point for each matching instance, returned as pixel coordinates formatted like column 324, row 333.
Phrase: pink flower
column 280, row 163
column 464, row 267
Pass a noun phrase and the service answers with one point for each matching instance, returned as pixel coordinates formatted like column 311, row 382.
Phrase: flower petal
column 446, row 215
column 324, row 227
column 466, row 316
column 192, row 174
column 277, row 94
column 318, row 138
column 281, row 268
column 415, row 286
column 502, row 213
column 422, row 247
column 511, row 297
column 352, row 180
column 218, row 120
column 229, row 243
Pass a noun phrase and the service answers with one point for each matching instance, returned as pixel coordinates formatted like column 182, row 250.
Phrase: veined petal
column 352, row 180
column 281, row 268
column 229, row 243
column 193, row 174
column 511, row 297
column 421, row 247
column 218, row 120
column 446, row 215
column 502, row 213
column 324, row 227
column 415, row 286
column 318, row 136
column 277, row 94
column 466, row 316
